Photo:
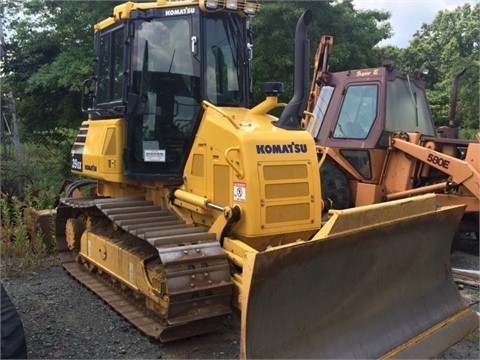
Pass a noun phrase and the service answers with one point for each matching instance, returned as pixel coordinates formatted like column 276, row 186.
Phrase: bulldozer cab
column 155, row 68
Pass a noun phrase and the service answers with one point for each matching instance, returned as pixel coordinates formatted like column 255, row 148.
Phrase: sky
column 408, row 16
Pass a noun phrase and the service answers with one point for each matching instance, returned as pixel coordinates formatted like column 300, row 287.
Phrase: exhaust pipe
column 293, row 112
column 453, row 100
column 451, row 131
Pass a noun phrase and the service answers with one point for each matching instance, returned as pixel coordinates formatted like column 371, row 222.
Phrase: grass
column 24, row 247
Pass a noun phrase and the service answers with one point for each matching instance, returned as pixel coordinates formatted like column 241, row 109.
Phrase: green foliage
column 49, row 54
column 15, row 237
column 468, row 134
column 23, row 246
column 20, row 233
column 6, row 219
column 389, row 52
column 45, row 159
column 356, row 33
column 58, row 137
column 446, row 46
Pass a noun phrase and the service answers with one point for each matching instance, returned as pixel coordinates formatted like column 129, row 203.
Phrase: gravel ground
column 63, row 320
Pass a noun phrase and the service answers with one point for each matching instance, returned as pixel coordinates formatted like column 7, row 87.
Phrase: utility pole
column 16, row 137
column 9, row 107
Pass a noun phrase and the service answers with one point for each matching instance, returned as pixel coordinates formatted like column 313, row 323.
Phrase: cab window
column 110, row 66
column 358, row 112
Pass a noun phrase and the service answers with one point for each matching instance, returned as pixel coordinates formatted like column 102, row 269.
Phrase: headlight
column 243, row 7
column 211, row 4
column 250, row 7
column 231, row 4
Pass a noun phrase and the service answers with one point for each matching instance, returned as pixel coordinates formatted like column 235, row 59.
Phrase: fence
column 39, row 161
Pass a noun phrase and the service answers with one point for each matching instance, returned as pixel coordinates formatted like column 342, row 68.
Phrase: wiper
column 135, row 98
column 116, row 110
column 171, row 62
column 413, row 99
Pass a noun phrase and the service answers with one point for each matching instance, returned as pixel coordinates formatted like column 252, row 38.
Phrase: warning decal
column 239, row 192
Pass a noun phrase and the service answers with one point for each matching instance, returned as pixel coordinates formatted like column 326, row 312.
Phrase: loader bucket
column 375, row 282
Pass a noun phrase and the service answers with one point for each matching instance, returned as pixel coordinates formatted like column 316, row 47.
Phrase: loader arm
column 320, row 72
column 461, row 172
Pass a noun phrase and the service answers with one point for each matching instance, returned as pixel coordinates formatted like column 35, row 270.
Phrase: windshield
column 162, row 47
column 358, row 112
column 407, row 108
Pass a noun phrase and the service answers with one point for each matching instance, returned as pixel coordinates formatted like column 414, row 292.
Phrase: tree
column 355, row 33
column 49, row 54
column 446, row 46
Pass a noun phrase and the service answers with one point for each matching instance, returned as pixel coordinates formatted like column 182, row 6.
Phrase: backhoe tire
column 14, row 345
column 335, row 185
column 467, row 238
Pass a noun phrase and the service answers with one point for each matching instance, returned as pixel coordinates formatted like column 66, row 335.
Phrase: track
column 196, row 276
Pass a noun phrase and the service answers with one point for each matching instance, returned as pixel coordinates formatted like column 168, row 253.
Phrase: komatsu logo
column 282, row 148
column 184, row 11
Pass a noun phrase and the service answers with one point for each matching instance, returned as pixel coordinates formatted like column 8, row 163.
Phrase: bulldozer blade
column 375, row 282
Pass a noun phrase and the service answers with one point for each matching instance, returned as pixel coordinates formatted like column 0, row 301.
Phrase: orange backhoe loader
column 376, row 129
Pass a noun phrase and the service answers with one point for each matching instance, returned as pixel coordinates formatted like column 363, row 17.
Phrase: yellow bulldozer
column 378, row 135
column 205, row 203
